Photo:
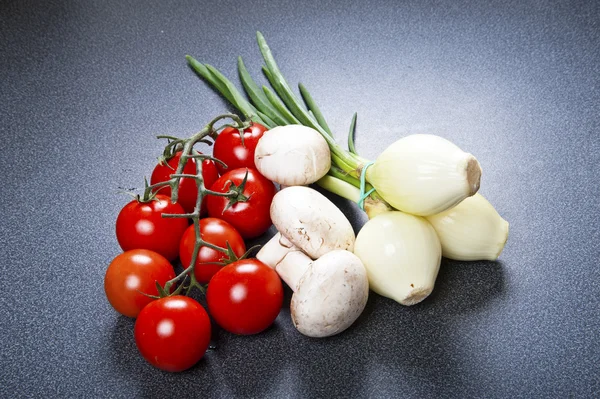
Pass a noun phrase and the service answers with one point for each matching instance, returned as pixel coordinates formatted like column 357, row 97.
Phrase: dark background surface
column 86, row 86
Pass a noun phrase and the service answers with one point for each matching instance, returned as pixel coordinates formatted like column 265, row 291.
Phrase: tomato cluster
column 243, row 296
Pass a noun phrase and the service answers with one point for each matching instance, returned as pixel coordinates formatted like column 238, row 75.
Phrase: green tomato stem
column 188, row 152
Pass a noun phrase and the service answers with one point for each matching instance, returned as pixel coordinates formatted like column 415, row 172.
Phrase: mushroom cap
column 331, row 295
column 310, row 221
column 292, row 155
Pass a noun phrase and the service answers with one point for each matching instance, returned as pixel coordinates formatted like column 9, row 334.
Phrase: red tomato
column 216, row 232
column 132, row 273
column 188, row 191
column 229, row 148
column 251, row 217
column 245, row 297
column 141, row 225
column 172, row 333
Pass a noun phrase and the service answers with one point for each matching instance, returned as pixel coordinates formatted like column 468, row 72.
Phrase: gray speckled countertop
column 85, row 87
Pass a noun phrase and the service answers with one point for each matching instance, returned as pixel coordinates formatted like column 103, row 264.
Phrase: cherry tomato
column 132, row 273
column 188, row 191
column 217, row 232
column 141, row 225
column 245, row 297
column 251, row 217
column 173, row 333
column 230, row 149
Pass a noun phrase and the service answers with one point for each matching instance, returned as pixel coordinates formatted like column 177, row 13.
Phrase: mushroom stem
column 275, row 250
column 291, row 268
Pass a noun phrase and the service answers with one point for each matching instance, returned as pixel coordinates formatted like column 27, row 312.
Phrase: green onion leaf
column 281, row 87
column 225, row 87
column 281, row 108
column 312, row 106
column 258, row 97
column 351, row 135
column 242, row 104
column 266, row 121
column 210, row 78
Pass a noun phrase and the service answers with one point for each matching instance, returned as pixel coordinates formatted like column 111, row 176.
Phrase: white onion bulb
column 472, row 230
column 402, row 254
column 423, row 174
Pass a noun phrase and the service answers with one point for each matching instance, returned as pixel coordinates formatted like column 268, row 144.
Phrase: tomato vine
column 186, row 146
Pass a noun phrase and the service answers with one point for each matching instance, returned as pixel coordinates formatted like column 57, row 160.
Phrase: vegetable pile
column 421, row 196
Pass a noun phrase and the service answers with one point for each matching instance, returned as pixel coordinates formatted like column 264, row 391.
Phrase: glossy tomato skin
column 252, row 217
column 229, row 148
column 214, row 231
column 132, row 273
column 173, row 333
column 245, row 297
column 140, row 225
column 188, row 191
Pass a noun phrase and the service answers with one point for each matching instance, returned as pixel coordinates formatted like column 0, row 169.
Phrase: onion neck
column 374, row 204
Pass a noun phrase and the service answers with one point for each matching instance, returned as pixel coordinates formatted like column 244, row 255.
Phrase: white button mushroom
column 310, row 221
column 329, row 293
column 292, row 155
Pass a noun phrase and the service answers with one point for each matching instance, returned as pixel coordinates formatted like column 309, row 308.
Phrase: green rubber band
column 363, row 183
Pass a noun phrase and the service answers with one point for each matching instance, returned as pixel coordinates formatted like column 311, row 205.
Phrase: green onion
column 280, row 85
column 248, row 109
column 274, row 100
column 314, row 109
column 284, row 91
column 351, row 135
column 267, row 122
column 258, row 97
column 210, row 78
column 282, row 107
